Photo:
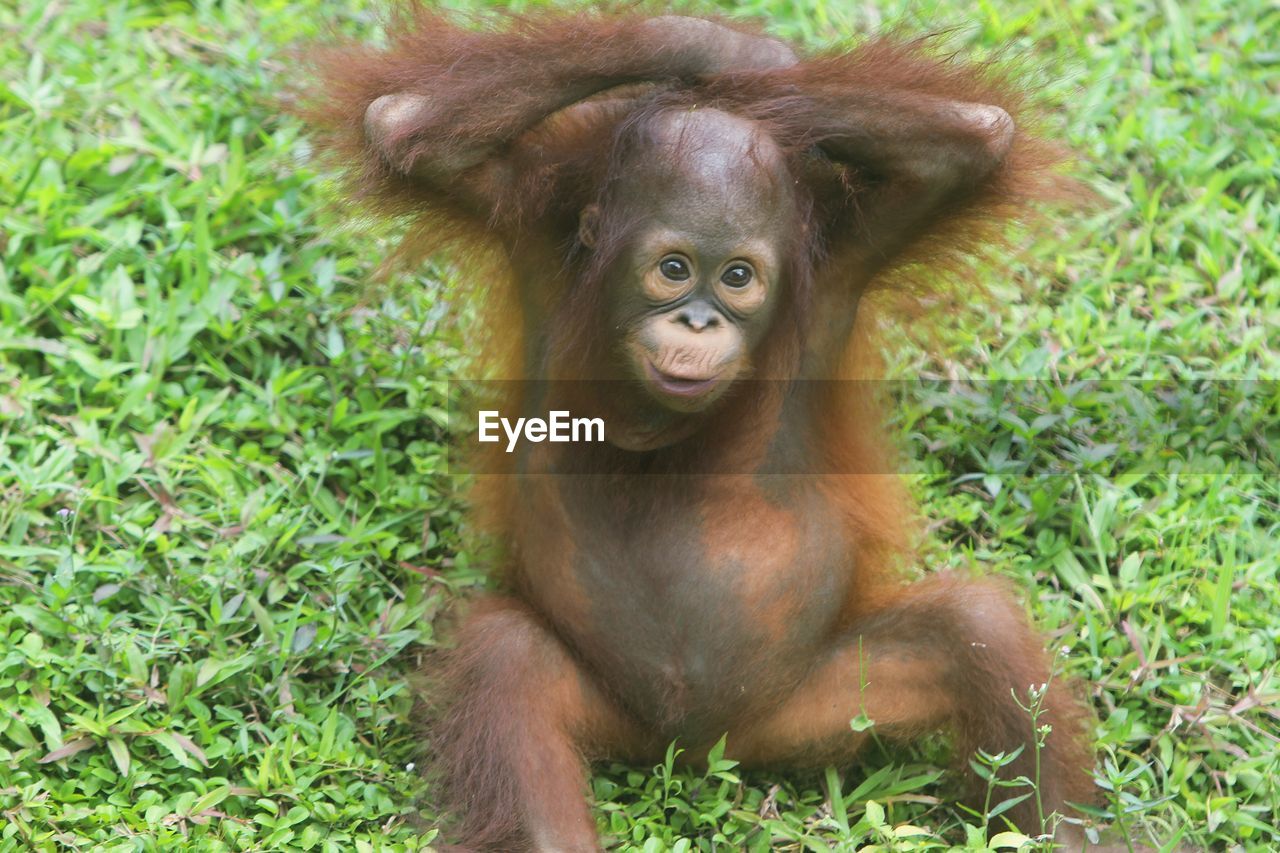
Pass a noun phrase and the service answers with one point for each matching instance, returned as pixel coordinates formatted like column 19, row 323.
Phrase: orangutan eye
column 674, row 268
column 738, row 275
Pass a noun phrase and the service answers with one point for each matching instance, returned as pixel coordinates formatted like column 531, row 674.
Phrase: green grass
column 226, row 527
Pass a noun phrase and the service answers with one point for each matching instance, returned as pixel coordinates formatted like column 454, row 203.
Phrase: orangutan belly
column 680, row 599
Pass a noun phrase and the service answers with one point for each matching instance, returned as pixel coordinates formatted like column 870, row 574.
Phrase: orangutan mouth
column 680, row 386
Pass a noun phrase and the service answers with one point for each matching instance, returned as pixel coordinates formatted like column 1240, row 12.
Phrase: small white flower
column 409, row 766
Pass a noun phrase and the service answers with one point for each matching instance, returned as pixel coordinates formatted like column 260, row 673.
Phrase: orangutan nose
column 698, row 316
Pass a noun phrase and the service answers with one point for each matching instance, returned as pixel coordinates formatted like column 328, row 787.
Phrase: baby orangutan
column 676, row 221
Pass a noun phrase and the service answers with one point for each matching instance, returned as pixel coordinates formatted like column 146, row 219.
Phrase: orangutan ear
column 588, row 223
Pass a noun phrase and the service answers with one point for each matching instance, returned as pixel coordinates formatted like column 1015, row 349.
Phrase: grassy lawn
column 226, row 527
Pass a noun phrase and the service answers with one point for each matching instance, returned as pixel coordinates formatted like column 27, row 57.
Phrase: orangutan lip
column 678, row 386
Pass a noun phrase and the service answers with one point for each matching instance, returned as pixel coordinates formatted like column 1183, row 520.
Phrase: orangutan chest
column 688, row 602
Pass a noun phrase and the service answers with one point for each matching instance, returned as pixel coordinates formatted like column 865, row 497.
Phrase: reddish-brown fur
column 537, row 684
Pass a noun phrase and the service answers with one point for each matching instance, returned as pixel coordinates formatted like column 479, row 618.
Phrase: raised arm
column 441, row 103
column 919, row 153
column 928, row 140
column 922, row 159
